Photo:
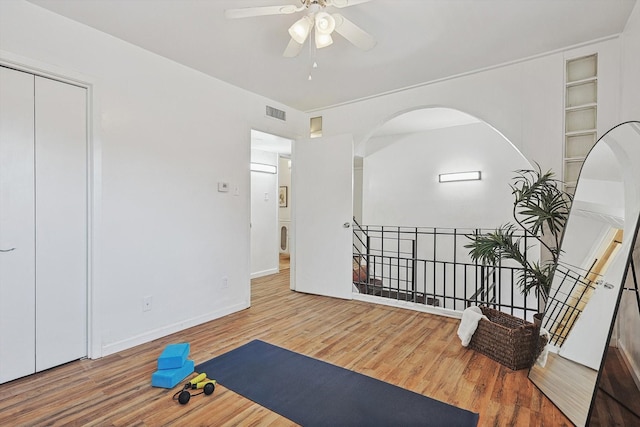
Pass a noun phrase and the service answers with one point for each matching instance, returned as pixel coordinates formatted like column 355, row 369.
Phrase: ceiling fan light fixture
column 323, row 40
column 325, row 23
column 300, row 30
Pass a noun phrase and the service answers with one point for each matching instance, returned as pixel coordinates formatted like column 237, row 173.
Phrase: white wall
column 629, row 312
column 264, row 216
column 631, row 67
column 163, row 137
column 400, row 185
column 358, row 187
column 523, row 101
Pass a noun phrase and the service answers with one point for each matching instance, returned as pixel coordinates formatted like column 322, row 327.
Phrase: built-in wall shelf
column 581, row 132
column 580, row 115
column 575, row 159
column 582, row 107
column 583, row 81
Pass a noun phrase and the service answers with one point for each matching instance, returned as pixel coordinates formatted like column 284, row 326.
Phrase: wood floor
column 414, row 350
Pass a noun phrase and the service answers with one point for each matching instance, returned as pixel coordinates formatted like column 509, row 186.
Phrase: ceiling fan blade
column 248, row 12
column 293, row 49
column 345, row 3
column 353, row 33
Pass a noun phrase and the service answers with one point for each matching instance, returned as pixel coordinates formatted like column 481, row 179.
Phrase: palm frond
column 540, row 206
column 537, row 277
column 500, row 244
column 540, row 202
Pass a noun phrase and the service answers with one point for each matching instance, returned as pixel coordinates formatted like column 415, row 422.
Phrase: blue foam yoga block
column 168, row 378
column 173, row 356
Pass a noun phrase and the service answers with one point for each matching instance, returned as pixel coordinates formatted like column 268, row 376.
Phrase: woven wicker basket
column 513, row 342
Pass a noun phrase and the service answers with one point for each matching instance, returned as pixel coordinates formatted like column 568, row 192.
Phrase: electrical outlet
column 225, row 283
column 146, row 303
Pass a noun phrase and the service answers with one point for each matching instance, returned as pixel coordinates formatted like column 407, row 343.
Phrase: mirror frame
column 625, row 273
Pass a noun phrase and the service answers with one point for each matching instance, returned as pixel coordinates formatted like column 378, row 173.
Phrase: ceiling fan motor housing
column 308, row 3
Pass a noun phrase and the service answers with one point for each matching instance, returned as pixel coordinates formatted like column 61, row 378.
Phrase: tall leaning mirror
column 588, row 282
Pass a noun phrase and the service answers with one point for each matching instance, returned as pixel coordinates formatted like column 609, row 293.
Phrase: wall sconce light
column 261, row 167
column 460, row 176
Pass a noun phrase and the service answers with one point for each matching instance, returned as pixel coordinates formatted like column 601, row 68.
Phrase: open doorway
column 270, row 203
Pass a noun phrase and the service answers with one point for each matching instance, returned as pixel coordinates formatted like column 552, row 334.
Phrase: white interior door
column 61, row 223
column 17, row 237
column 322, row 216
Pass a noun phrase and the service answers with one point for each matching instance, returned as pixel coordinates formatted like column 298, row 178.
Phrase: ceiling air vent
column 276, row 114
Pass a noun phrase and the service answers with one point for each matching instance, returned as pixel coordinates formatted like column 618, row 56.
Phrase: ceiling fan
column 324, row 23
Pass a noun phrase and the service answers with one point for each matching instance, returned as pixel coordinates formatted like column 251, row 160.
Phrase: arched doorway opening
column 415, row 225
column 398, row 167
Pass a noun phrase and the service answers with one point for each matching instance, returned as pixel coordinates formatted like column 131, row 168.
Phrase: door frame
column 94, row 181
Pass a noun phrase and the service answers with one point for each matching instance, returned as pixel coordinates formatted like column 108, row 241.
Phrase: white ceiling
column 418, row 40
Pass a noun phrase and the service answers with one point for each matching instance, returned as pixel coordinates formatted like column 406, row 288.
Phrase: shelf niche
column 581, row 115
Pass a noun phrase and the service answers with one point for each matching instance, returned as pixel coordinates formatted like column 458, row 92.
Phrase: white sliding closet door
column 17, row 232
column 61, row 223
column 43, row 223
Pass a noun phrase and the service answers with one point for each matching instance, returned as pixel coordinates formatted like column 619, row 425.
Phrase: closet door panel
column 61, row 223
column 17, row 267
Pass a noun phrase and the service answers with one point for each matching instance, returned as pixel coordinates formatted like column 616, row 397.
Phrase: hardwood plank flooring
column 414, row 350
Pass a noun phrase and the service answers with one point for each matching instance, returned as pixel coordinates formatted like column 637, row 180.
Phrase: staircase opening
column 431, row 267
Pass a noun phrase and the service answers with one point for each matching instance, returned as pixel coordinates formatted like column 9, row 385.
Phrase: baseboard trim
column 407, row 305
column 169, row 329
column 264, row 273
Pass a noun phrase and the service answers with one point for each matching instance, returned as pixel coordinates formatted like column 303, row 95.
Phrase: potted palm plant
column 541, row 208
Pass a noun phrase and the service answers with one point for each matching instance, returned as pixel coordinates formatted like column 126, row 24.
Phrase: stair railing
column 431, row 266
